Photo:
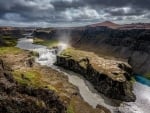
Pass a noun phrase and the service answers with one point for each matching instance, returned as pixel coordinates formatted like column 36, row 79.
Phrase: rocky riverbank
column 113, row 82
column 35, row 88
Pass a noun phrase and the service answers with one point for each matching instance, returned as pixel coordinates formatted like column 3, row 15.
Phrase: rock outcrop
column 112, row 88
column 45, row 34
column 16, row 98
column 130, row 42
column 133, row 44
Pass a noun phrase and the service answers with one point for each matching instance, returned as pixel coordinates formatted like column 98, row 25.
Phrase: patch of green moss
column 8, row 44
column 75, row 54
column 147, row 76
column 8, row 40
column 32, row 78
column 133, row 80
column 48, row 43
column 9, row 50
column 70, row 109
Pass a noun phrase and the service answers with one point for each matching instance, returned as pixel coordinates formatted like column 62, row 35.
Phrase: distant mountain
column 106, row 24
column 135, row 26
column 112, row 25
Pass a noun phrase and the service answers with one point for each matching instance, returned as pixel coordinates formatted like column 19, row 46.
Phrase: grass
column 9, row 40
column 31, row 78
column 147, row 76
column 8, row 45
column 70, row 109
column 74, row 53
column 9, row 50
column 48, row 43
column 133, row 80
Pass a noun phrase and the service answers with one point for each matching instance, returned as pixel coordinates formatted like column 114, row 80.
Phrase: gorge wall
column 130, row 44
column 120, row 90
column 133, row 44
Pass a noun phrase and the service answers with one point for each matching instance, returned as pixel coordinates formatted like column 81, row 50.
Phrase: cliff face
column 10, row 31
column 16, row 98
column 133, row 44
column 120, row 90
column 50, row 34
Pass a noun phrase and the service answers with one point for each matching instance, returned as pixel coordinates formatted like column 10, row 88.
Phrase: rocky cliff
column 133, row 44
column 16, row 98
column 12, row 31
column 45, row 34
column 109, row 84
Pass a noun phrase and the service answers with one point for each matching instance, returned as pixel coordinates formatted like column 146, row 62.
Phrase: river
column 48, row 57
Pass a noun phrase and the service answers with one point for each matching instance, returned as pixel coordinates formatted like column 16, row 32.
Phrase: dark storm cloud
column 120, row 3
column 49, row 12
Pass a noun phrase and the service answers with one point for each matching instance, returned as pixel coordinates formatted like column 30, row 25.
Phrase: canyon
column 105, row 55
column 130, row 45
column 109, row 77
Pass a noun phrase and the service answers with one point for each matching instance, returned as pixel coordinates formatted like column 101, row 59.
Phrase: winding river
column 48, row 57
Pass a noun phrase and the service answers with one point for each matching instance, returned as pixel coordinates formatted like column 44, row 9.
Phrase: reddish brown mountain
column 123, row 26
column 135, row 26
column 107, row 24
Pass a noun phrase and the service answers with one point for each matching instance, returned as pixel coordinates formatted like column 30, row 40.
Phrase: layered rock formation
column 16, row 98
column 44, row 33
column 133, row 44
column 113, row 83
column 14, row 32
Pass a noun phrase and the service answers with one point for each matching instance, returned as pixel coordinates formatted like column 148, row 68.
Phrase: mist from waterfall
column 64, row 39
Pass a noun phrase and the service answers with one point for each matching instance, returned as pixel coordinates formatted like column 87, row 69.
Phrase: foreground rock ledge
column 17, row 98
column 119, row 87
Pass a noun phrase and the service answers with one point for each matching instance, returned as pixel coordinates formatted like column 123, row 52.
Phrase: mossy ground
column 70, row 109
column 48, row 43
column 9, row 50
column 75, row 54
column 31, row 77
column 147, row 76
column 8, row 40
column 8, row 45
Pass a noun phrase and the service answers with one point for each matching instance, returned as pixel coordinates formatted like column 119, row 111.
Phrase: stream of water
column 48, row 57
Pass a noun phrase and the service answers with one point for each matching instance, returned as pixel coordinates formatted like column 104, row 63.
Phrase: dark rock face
column 30, row 62
column 133, row 44
column 110, row 88
column 12, row 32
column 45, row 35
column 16, row 98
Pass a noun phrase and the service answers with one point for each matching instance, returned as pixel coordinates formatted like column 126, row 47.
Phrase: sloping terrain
column 29, row 87
column 16, row 98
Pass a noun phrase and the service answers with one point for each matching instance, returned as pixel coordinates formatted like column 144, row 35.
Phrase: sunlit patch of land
column 9, row 50
column 48, row 43
column 102, row 65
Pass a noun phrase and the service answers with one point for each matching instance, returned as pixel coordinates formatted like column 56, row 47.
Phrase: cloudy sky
column 48, row 13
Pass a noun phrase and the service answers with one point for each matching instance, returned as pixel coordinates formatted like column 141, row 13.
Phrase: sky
column 50, row 13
